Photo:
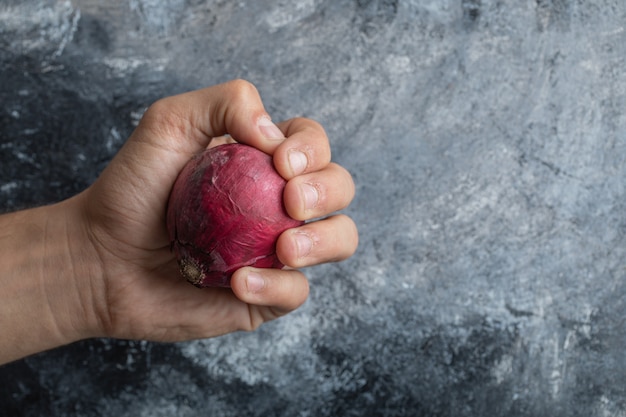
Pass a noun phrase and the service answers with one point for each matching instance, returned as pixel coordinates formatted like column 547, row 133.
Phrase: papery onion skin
column 226, row 211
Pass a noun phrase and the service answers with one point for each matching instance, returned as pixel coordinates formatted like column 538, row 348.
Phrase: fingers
column 330, row 240
column 319, row 193
column 269, row 293
column 316, row 187
column 305, row 150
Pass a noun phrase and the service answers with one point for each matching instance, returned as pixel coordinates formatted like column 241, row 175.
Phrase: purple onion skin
column 226, row 211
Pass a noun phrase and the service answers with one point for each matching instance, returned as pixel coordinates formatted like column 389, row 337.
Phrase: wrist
column 46, row 270
column 72, row 278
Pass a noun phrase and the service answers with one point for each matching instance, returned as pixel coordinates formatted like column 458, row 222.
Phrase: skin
column 99, row 263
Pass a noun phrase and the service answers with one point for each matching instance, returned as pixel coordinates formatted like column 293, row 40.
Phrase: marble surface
column 487, row 139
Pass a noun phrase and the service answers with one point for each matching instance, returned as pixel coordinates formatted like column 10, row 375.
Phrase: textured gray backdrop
column 487, row 139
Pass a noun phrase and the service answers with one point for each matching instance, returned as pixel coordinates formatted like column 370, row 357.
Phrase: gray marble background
column 487, row 139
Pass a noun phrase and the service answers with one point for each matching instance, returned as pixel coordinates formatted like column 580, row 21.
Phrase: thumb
column 187, row 122
column 175, row 128
column 238, row 111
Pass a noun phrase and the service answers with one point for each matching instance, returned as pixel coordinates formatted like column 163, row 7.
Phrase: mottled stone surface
column 487, row 140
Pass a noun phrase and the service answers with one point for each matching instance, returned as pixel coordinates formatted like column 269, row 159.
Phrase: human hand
column 137, row 292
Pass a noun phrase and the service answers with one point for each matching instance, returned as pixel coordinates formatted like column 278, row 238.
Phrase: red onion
column 226, row 211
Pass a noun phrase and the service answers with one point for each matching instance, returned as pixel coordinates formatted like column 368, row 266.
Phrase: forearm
column 41, row 299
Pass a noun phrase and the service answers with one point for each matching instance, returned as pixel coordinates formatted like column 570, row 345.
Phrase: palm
column 145, row 295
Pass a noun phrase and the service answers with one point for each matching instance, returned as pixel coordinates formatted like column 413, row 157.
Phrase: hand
column 136, row 291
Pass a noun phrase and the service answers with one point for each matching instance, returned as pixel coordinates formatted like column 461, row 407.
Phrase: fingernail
column 298, row 162
column 255, row 282
column 311, row 196
column 269, row 129
column 304, row 244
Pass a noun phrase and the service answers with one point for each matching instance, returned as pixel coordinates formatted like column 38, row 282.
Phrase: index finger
column 305, row 150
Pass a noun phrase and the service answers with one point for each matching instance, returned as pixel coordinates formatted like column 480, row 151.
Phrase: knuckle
column 353, row 236
column 164, row 116
column 159, row 109
column 345, row 174
column 349, row 240
column 253, row 321
column 310, row 124
column 241, row 89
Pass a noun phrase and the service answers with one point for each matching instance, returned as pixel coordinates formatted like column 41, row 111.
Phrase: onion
column 226, row 211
